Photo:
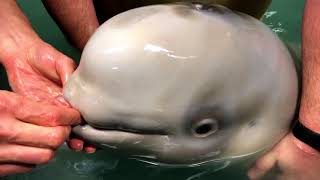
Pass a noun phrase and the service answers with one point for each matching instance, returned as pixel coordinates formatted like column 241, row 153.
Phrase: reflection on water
column 106, row 165
column 275, row 26
column 208, row 172
column 71, row 165
column 89, row 166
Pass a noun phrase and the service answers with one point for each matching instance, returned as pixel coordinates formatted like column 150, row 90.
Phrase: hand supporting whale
column 184, row 83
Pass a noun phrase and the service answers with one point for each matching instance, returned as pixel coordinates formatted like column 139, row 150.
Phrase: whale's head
column 183, row 84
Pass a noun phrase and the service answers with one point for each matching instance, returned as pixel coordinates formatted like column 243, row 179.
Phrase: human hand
column 36, row 122
column 294, row 159
column 38, row 72
column 30, row 132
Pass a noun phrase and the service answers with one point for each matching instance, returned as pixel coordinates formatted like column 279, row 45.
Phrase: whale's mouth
column 129, row 129
column 157, row 149
column 119, row 136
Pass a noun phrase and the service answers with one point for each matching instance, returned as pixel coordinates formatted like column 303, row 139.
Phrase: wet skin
column 221, row 85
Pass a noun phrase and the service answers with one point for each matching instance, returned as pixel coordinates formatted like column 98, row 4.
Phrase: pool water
column 69, row 165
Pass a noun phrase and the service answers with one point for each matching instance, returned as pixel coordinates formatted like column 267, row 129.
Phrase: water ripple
column 92, row 166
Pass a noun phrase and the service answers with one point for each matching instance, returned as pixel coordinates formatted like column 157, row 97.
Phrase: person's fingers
column 65, row 67
column 262, row 166
column 18, row 132
column 75, row 144
column 38, row 113
column 51, row 63
column 78, row 145
column 89, row 148
column 61, row 101
column 42, row 59
column 10, row 153
column 47, row 115
column 10, row 169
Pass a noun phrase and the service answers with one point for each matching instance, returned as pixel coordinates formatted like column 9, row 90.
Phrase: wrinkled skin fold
column 184, row 84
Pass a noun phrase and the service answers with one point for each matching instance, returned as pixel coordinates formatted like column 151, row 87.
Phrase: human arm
column 310, row 102
column 295, row 159
column 76, row 18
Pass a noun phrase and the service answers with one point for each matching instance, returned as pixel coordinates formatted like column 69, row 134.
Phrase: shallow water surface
column 283, row 17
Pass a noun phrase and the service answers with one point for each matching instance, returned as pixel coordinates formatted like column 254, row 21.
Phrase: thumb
column 65, row 67
column 51, row 63
column 263, row 165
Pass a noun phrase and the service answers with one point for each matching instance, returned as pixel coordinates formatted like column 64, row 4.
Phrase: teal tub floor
column 283, row 17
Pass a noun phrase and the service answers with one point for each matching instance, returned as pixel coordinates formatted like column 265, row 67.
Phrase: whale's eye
column 205, row 127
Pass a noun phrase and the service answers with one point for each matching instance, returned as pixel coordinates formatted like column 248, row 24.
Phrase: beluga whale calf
column 184, row 83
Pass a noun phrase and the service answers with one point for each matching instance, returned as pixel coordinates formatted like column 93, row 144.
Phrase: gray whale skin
column 184, row 84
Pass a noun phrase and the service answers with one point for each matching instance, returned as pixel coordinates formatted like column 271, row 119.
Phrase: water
column 68, row 165
column 107, row 165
